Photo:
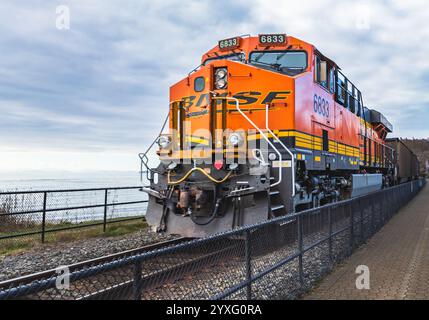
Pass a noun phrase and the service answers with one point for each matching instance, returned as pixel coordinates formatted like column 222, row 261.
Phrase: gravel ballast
column 50, row 256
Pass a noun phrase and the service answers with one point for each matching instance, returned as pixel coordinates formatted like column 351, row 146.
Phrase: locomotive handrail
column 237, row 106
column 143, row 156
column 283, row 145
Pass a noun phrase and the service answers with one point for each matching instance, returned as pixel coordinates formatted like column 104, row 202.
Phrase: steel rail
column 100, row 260
column 162, row 276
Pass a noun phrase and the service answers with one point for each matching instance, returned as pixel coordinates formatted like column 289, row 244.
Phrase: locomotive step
column 273, row 193
column 277, row 207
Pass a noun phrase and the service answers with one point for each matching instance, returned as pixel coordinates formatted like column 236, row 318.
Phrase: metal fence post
column 397, row 200
column 352, row 227
column 300, row 249
column 389, row 209
column 137, row 281
column 384, row 208
column 393, row 204
column 248, row 257
column 45, row 195
column 361, row 221
column 105, row 211
column 372, row 217
column 330, row 233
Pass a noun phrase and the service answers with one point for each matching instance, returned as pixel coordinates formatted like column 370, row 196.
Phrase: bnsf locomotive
column 264, row 127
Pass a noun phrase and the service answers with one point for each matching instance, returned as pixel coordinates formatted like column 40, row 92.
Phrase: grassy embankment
column 22, row 224
column 25, row 243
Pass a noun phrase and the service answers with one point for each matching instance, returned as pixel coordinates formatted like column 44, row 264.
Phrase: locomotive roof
column 254, row 40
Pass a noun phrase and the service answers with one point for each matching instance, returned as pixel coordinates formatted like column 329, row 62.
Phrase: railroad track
column 49, row 274
column 127, row 281
column 129, row 289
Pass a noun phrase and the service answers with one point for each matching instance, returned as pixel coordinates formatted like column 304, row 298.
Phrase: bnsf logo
column 245, row 98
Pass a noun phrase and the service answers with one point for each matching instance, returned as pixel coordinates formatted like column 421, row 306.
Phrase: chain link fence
column 36, row 214
column 277, row 259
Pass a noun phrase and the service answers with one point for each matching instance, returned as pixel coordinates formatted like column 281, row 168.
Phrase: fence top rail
column 68, row 190
column 91, row 206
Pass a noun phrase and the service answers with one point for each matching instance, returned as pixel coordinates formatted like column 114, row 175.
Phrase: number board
column 229, row 44
column 272, row 39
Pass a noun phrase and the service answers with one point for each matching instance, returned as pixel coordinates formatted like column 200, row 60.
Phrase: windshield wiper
column 294, row 68
column 272, row 65
column 280, row 56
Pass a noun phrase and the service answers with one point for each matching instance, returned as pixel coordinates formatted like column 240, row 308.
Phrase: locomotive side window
column 358, row 103
column 324, row 74
column 317, row 69
column 321, row 72
column 199, row 84
column 332, row 80
column 341, row 93
column 348, row 95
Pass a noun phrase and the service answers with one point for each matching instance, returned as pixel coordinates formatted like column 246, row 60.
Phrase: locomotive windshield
column 233, row 57
column 289, row 62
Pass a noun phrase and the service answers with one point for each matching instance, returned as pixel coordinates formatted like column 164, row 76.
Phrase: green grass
column 121, row 229
column 26, row 243
column 8, row 247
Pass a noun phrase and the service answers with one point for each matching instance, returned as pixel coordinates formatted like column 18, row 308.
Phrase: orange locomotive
column 265, row 126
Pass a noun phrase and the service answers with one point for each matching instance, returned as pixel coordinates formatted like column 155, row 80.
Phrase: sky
column 91, row 92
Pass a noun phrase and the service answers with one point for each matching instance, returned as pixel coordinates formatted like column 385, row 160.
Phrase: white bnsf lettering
column 235, row 309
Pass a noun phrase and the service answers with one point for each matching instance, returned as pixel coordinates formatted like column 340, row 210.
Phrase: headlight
column 220, row 73
column 221, row 78
column 163, row 142
column 220, row 83
column 235, row 139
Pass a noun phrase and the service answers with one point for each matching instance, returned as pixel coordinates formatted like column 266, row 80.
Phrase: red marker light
column 218, row 164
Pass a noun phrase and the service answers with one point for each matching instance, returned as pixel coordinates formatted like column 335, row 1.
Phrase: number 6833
column 321, row 106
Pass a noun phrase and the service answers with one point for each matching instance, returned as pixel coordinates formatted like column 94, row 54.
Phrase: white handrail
column 237, row 106
column 284, row 146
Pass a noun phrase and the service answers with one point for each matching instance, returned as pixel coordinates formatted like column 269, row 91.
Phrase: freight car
column 265, row 126
column 407, row 165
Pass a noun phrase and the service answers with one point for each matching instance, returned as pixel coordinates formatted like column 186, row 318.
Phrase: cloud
column 103, row 84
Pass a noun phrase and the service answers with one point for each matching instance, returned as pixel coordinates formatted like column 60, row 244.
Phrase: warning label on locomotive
column 282, row 164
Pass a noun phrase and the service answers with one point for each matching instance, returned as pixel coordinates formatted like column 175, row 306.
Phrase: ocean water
column 39, row 181
column 23, row 181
